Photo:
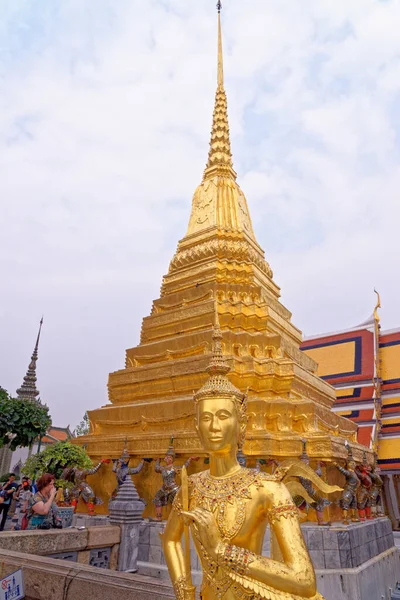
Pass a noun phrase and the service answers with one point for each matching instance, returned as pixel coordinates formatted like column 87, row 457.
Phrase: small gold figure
column 229, row 509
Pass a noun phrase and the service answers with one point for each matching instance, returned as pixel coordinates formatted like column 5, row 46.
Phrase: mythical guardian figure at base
column 376, row 490
column 167, row 492
column 319, row 503
column 81, row 488
column 348, row 500
column 228, row 508
column 364, row 491
column 122, row 470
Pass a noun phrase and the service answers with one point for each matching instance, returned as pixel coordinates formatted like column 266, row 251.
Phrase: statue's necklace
column 222, row 495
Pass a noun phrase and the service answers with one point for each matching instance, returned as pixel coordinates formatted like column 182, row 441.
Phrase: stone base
column 373, row 580
column 347, row 546
column 84, row 520
column 353, row 562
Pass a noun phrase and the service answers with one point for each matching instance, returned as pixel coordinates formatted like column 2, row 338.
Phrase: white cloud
column 105, row 112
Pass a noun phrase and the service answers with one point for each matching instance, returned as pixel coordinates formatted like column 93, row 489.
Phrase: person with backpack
column 6, row 496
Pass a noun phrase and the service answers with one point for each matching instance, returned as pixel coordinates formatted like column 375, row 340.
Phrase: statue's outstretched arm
column 173, row 551
column 136, row 470
column 93, row 470
column 158, row 468
column 343, row 471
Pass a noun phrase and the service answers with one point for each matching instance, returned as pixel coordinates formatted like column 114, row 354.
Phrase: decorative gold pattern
column 280, row 511
column 238, row 559
column 183, row 591
column 222, row 495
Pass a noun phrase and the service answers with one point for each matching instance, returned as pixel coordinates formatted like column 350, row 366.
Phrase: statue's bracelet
column 183, row 591
column 238, row 559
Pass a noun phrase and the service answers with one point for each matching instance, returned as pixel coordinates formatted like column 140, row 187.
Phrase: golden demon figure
column 228, row 508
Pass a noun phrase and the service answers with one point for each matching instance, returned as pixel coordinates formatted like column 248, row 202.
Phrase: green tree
column 55, row 458
column 84, row 426
column 25, row 421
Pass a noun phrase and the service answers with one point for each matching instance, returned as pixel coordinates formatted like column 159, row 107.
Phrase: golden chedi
column 228, row 508
column 218, row 262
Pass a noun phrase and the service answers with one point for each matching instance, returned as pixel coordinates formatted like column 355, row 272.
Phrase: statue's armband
column 282, row 511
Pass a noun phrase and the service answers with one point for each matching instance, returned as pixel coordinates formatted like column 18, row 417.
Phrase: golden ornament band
column 238, row 559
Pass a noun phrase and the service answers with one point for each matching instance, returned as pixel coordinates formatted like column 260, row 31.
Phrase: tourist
column 7, row 494
column 22, row 496
column 42, row 510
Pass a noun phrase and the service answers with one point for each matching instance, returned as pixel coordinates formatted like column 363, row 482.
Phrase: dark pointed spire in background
column 28, row 390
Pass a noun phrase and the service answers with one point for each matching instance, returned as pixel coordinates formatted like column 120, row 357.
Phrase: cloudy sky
column 105, row 113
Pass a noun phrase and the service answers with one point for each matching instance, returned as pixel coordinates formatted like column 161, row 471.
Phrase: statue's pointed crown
column 125, row 454
column 218, row 383
column 171, row 450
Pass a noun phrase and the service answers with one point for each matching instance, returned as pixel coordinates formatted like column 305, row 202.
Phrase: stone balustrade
column 95, row 546
column 46, row 578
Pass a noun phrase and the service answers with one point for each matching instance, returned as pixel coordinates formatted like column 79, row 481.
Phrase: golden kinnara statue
column 229, row 507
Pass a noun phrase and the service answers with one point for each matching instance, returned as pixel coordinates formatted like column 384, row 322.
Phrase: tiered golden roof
column 218, row 263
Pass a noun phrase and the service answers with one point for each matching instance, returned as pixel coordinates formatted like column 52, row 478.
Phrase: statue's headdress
column 171, row 451
column 125, row 454
column 304, row 456
column 219, row 385
column 349, row 452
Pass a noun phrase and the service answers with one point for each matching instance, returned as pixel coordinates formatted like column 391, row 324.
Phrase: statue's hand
column 204, row 525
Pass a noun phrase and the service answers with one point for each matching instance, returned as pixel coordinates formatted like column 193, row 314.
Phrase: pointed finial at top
column 378, row 305
column 220, row 56
column 28, row 390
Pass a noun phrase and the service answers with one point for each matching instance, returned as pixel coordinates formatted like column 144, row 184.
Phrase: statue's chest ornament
column 226, row 499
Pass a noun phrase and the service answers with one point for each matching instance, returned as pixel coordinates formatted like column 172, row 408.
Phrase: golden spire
column 220, row 156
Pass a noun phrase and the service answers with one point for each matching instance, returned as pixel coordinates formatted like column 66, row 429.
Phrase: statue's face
column 217, row 424
column 168, row 459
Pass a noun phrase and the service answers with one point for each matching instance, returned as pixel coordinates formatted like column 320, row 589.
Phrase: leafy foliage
column 84, row 426
column 27, row 420
column 55, row 458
